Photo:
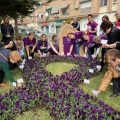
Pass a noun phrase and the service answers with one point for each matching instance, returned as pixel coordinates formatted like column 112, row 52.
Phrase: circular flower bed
column 62, row 94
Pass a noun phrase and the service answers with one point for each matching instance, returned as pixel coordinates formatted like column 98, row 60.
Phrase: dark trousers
column 2, row 73
column 116, row 85
column 103, row 53
column 1, row 76
column 31, row 54
column 77, row 46
column 6, row 40
column 90, row 52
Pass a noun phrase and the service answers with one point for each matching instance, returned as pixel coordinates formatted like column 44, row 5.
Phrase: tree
column 17, row 8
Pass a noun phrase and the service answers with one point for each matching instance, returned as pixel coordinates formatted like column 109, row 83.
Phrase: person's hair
column 112, row 54
column 14, row 45
column 6, row 16
column 106, row 17
column 75, row 18
column 96, row 39
column 18, row 37
column 69, row 34
column 15, row 55
column 53, row 37
column 45, row 36
column 106, row 25
column 31, row 33
column 90, row 15
column 117, row 13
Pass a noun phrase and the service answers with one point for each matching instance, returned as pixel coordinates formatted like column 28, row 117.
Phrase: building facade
column 48, row 17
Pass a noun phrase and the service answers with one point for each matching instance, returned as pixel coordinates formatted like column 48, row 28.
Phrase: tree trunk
column 16, row 27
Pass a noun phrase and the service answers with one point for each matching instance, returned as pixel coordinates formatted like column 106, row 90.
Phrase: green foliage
column 15, row 8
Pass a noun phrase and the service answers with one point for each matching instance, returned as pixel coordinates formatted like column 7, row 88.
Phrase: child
column 42, row 46
column 76, row 40
column 30, row 45
column 54, row 48
column 62, row 37
column 11, row 45
column 90, row 43
column 19, row 45
column 112, row 57
column 6, row 57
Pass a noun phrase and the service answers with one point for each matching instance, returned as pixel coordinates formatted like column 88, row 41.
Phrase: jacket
column 111, row 73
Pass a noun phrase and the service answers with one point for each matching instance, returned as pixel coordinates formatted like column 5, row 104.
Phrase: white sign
column 91, row 70
column 14, row 84
column 21, row 66
column 86, row 81
column 98, row 67
column 44, row 55
column 20, row 80
column 103, row 41
column 95, row 92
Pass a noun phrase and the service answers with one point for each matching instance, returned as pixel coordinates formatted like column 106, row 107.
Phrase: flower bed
column 60, row 94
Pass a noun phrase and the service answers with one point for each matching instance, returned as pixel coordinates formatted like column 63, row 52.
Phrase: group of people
column 108, row 42
column 68, row 42
column 13, row 51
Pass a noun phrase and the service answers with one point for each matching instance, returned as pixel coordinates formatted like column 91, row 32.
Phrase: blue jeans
column 77, row 46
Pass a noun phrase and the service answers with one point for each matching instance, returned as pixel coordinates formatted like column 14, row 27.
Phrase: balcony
column 85, row 6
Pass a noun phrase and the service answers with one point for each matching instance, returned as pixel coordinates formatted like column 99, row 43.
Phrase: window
column 103, row 3
column 39, row 4
column 49, row 11
column 85, row 6
column 65, row 11
column 114, row 1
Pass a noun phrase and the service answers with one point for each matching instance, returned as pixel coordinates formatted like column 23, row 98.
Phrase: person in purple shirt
column 91, row 25
column 91, row 42
column 54, row 48
column 30, row 44
column 76, row 40
column 69, row 46
column 42, row 46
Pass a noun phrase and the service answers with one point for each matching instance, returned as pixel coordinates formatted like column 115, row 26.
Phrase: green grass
column 104, row 96
column 38, row 114
column 56, row 69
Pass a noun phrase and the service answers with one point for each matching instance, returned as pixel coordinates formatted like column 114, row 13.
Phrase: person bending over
column 90, row 43
column 30, row 45
column 54, row 48
column 7, row 57
column 112, row 57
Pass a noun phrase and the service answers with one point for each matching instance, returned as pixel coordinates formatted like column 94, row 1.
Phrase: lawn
column 56, row 69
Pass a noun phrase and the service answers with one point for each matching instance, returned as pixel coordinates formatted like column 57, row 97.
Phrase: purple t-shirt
column 92, row 26
column 41, row 44
column 28, row 42
column 51, row 50
column 78, row 35
column 91, row 43
column 67, row 43
column 103, row 36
